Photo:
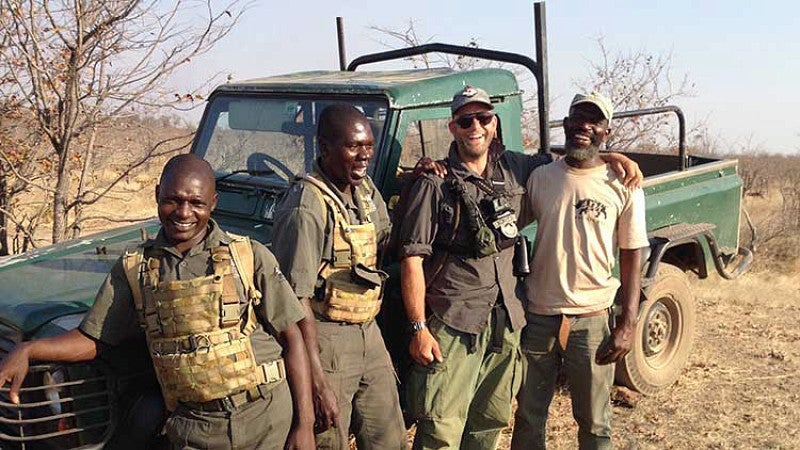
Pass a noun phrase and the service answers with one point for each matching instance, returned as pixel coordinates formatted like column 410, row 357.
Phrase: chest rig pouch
column 492, row 221
column 197, row 334
column 349, row 287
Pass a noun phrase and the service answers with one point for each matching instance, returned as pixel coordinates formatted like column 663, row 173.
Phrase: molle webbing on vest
column 197, row 334
column 343, row 299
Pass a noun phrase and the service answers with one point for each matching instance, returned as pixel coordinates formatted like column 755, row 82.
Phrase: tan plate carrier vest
column 345, row 300
column 197, row 337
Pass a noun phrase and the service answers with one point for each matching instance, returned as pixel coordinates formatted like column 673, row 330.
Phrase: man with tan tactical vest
column 328, row 229
column 202, row 300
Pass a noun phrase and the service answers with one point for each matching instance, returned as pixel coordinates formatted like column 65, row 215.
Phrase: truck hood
column 62, row 279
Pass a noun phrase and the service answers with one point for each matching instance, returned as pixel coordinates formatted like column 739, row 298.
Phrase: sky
column 742, row 56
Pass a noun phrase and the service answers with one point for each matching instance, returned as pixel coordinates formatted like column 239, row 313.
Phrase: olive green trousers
column 589, row 383
column 262, row 424
column 464, row 402
column 359, row 370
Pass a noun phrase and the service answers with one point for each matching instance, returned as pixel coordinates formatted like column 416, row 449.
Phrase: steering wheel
column 262, row 161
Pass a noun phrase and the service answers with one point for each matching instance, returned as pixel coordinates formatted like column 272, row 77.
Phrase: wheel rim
column 661, row 332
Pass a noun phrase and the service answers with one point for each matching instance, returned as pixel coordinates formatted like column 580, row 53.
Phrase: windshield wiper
column 256, row 173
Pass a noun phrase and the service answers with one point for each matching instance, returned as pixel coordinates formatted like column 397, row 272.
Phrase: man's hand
column 427, row 165
column 424, row 349
column 326, row 408
column 13, row 370
column 301, row 437
column 618, row 344
column 626, row 169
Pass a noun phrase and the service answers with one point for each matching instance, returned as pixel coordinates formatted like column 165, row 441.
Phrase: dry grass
column 740, row 387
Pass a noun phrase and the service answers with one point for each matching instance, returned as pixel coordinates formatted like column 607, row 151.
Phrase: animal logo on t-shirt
column 590, row 209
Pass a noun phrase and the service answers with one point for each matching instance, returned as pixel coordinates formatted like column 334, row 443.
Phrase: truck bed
column 708, row 191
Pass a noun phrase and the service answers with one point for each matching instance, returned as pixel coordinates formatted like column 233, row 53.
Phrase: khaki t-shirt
column 584, row 216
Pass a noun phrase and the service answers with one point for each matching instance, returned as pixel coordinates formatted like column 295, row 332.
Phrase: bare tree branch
column 79, row 65
column 635, row 80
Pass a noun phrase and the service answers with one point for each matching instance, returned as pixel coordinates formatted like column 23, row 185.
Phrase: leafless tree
column 22, row 163
column 635, row 80
column 408, row 37
column 80, row 64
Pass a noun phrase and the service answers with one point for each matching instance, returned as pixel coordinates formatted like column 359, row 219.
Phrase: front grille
column 61, row 407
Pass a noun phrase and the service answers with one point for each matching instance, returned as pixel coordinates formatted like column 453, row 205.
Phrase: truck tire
column 664, row 334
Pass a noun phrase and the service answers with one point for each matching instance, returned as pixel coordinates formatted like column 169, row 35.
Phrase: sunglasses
column 465, row 121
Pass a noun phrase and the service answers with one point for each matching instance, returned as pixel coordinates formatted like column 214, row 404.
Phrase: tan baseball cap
column 596, row 99
column 470, row 95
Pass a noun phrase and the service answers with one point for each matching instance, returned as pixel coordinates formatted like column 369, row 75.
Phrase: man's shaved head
column 338, row 118
column 188, row 164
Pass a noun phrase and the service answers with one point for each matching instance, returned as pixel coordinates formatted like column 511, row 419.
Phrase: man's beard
column 582, row 154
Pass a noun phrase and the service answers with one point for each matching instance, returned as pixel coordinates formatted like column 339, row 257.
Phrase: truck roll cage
column 538, row 69
column 684, row 158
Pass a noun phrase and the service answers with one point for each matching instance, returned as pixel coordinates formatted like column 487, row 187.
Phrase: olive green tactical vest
column 344, row 298
column 196, row 334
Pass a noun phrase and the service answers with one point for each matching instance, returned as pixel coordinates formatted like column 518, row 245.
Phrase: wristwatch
column 416, row 327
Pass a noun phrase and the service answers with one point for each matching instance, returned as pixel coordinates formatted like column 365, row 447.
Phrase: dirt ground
column 740, row 388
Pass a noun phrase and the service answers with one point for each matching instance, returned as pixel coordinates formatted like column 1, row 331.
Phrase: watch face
column 416, row 327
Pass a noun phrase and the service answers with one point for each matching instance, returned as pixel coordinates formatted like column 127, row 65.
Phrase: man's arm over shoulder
column 532, row 161
column 626, row 169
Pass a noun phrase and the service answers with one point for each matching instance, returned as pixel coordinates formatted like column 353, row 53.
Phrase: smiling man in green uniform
column 328, row 230
column 203, row 300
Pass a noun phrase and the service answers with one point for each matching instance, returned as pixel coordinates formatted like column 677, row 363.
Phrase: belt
column 274, row 372
column 194, row 343
column 228, row 403
column 564, row 327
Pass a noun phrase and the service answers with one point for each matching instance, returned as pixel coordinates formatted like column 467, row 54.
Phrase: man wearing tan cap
column 456, row 248
column 585, row 214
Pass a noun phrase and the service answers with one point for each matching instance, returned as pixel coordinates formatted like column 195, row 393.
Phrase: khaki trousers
column 359, row 370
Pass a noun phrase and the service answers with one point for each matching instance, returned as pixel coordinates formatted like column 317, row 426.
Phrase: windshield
column 271, row 137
